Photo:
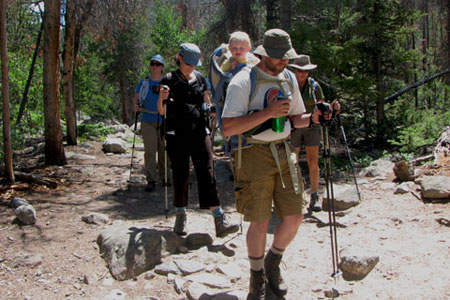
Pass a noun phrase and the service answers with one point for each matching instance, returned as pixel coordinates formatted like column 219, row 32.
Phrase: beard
column 275, row 67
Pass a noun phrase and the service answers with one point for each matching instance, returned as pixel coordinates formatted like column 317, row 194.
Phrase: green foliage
column 95, row 98
column 425, row 127
column 166, row 34
column 93, row 130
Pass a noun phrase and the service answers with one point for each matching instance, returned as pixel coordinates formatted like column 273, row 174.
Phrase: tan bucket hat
column 302, row 63
column 277, row 44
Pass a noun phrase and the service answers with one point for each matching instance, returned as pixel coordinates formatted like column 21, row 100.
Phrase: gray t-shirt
column 237, row 102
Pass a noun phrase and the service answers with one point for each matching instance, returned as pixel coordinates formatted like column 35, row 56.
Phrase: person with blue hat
column 146, row 102
column 184, row 101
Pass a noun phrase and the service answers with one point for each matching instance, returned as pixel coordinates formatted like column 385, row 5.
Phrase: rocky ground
column 58, row 257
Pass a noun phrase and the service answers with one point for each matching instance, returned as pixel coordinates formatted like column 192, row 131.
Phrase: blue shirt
column 150, row 102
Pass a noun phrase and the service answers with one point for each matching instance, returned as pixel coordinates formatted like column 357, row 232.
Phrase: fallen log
column 419, row 160
column 36, row 179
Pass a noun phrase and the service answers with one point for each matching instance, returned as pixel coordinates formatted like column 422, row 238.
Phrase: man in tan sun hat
column 309, row 137
column 264, row 164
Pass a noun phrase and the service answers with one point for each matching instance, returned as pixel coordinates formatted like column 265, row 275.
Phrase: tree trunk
column 239, row 16
column 271, row 16
column 285, row 14
column 67, row 77
column 448, row 34
column 184, row 14
column 126, row 100
column 30, row 77
column 54, row 150
column 378, row 77
column 5, row 95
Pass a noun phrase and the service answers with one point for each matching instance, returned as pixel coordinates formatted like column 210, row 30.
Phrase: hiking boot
column 274, row 280
column 257, row 285
column 223, row 227
column 314, row 205
column 151, row 186
column 180, row 224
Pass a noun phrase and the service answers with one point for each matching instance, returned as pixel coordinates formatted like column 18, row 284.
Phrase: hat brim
column 307, row 67
column 276, row 53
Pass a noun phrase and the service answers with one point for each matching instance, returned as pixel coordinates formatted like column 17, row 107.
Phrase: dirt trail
column 403, row 231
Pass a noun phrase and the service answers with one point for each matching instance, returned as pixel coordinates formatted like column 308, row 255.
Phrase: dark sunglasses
column 156, row 64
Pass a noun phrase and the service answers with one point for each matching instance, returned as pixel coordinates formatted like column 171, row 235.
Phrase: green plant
column 96, row 130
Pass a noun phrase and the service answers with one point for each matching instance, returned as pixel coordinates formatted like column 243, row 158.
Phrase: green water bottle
column 278, row 123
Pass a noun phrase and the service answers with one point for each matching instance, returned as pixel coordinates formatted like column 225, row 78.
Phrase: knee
column 296, row 220
column 258, row 227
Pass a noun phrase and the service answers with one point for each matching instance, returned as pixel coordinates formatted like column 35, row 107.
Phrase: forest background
column 63, row 61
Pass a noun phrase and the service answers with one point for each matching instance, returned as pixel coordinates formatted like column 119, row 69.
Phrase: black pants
column 180, row 149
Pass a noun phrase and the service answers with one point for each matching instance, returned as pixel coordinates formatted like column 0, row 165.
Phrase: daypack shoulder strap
column 313, row 87
column 143, row 91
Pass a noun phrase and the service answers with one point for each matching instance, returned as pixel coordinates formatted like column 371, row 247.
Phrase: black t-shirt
column 184, row 114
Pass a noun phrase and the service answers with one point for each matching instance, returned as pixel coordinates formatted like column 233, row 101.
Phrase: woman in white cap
column 183, row 94
column 146, row 100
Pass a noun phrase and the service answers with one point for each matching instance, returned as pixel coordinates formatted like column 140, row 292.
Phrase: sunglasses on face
column 156, row 64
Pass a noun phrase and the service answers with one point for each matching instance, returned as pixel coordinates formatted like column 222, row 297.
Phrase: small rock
column 26, row 214
column 331, row 293
column 96, row 219
column 189, row 267
column 167, row 268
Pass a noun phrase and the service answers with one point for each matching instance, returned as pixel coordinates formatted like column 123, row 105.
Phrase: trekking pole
column 330, row 200
column 347, row 149
column 134, row 140
column 166, row 208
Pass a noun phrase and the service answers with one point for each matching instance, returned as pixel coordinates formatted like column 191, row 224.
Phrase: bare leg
column 312, row 157
column 256, row 238
column 286, row 231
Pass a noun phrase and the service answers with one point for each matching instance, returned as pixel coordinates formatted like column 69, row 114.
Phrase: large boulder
column 114, row 145
column 356, row 263
column 345, row 196
column 130, row 251
column 442, row 149
column 435, row 187
column 379, row 167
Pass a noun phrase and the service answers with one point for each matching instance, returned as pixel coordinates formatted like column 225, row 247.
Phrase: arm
column 164, row 91
column 237, row 125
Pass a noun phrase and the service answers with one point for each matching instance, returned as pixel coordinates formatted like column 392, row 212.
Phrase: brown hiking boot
column 223, row 227
column 257, row 285
column 314, row 205
column 180, row 224
column 274, row 280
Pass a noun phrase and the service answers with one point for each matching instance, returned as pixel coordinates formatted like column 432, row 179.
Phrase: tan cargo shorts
column 258, row 184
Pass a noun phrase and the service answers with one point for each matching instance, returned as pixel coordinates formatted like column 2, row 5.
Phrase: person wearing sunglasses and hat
column 146, row 101
column 183, row 99
column 309, row 137
column 265, row 170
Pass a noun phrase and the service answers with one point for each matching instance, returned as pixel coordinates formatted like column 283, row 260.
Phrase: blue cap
column 190, row 53
column 158, row 58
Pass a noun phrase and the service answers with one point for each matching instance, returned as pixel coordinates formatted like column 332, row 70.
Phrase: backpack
column 143, row 91
column 185, row 116
column 237, row 142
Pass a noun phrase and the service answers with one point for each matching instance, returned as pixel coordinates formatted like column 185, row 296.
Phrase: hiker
column 238, row 52
column 225, row 62
column 264, row 168
column 309, row 137
column 184, row 94
column 146, row 101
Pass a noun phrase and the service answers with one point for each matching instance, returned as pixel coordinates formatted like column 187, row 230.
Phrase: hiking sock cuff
column 217, row 212
column 180, row 210
column 275, row 250
column 256, row 263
